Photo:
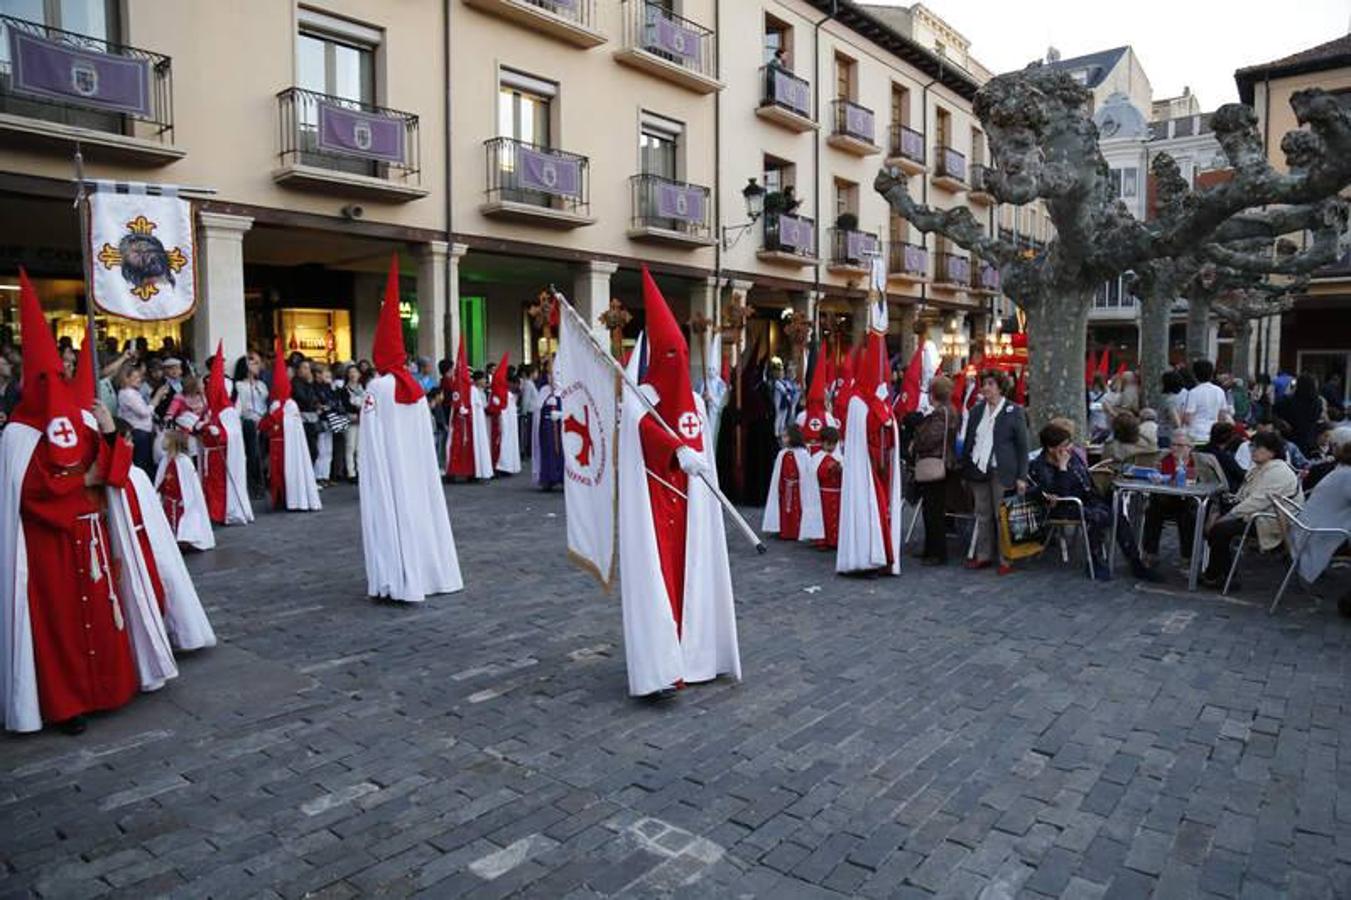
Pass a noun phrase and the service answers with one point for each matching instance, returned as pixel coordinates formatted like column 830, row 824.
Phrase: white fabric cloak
column 544, row 394
column 194, row 525
column 302, row 491
column 405, row 527
column 509, row 451
column 706, row 645
column 812, row 526
column 238, row 508
column 862, row 545
column 18, row 668
column 185, row 621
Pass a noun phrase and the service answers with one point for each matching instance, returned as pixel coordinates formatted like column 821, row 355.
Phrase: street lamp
column 754, row 196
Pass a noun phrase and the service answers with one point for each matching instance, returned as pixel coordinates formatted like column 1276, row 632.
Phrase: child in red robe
column 828, row 476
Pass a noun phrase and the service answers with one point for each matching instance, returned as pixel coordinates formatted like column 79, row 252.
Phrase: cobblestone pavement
column 945, row 733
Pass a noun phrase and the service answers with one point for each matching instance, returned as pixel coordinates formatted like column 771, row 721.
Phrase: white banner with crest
column 142, row 254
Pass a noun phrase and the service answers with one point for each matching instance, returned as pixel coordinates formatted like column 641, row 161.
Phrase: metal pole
column 82, row 206
column 614, row 363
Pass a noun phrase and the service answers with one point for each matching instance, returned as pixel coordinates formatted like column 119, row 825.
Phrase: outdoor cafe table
column 1201, row 494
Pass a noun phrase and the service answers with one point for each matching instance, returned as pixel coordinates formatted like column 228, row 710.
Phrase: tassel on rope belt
column 100, row 563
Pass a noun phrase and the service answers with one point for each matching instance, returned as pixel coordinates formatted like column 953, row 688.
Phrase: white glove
column 691, row 461
column 556, row 415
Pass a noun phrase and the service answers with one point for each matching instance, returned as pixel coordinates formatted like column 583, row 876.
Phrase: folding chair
column 1238, row 552
column 918, row 514
column 1062, row 522
column 1297, row 535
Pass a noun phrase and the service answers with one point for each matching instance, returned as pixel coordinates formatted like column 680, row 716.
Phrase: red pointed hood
column 47, row 402
column 217, row 398
column 815, row 418
column 499, row 389
column 668, row 366
column 281, row 381
column 464, row 383
column 388, row 354
column 910, row 384
column 1102, row 363
column 872, row 379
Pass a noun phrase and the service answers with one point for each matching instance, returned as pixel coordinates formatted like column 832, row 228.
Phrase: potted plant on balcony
column 846, row 221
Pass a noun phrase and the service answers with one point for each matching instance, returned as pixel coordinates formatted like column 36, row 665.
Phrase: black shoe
column 1144, row 572
column 661, row 696
column 75, row 725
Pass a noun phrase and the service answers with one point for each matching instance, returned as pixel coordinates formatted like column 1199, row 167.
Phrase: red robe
column 213, row 469
column 790, row 498
column 880, row 436
column 271, row 425
column 83, row 658
column 171, row 495
column 668, row 490
column 829, row 475
column 460, row 459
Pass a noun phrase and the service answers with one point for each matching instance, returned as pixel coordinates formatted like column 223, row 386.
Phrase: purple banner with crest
column 548, row 172
column 912, row 144
column 796, row 234
column 565, row 6
column 860, row 245
column 792, row 92
column 959, row 270
column 54, row 71
column 680, row 201
column 954, row 164
column 858, row 121
column 351, row 132
column 671, row 37
column 989, row 277
column 916, row 259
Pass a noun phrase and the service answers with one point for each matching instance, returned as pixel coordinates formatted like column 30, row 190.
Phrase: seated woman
column 1270, row 476
column 1162, row 508
column 1126, row 442
column 1059, row 473
column 1220, row 448
column 1328, row 506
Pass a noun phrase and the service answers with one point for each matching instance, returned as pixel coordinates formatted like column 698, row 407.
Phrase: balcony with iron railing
column 670, row 212
column 852, row 251
column 985, row 278
column 529, row 182
column 58, row 88
column 949, row 169
column 785, row 99
column 907, row 262
column 346, row 146
column 951, row 271
column 668, row 46
column 979, row 191
column 571, row 21
column 906, row 150
column 789, row 239
column 853, row 128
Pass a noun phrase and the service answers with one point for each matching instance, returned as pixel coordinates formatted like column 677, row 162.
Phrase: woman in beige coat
column 1270, row 476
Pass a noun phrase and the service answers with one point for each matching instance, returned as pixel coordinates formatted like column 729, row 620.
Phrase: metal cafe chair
column 1062, row 522
column 1242, row 541
column 1297, row 535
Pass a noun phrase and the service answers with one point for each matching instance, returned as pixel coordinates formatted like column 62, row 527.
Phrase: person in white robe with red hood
column 73, row 640
column 468, row 451
column 291, row 471
column 675, row 583
column 870, row 493
column 405, row 527
column 504, row 421
column 224, row 468
column 793, row 505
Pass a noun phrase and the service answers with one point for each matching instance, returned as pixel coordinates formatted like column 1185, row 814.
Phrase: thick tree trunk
column 1242, row 367
column 1155, row 313
column 1198, row 329
column 1056, row 329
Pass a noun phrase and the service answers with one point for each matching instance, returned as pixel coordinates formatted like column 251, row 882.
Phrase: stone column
column 591, row 295
column 220, row 310
column 450, row 323
column 431, row 298
column 703, row 299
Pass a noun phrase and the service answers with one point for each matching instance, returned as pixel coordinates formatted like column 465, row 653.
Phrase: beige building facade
column 517, row 144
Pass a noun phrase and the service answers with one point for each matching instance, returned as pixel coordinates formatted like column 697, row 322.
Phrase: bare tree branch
column 957, row 224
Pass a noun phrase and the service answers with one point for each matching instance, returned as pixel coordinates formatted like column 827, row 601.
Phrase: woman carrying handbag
column 935, row 459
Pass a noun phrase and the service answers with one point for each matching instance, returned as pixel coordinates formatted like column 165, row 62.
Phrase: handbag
column 1022, row 527
column 928, row 469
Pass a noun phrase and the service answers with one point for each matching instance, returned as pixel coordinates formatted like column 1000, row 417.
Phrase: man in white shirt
column 1205, row 404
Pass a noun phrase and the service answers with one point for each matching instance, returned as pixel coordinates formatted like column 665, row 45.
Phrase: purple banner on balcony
column 989, row 277
column 351, row 132
column 564, row 6
column 954, row 164
column 916, row 259
column 792, row 92
column 959, row 270
column 858, row 122
column 798, row 235
column 550, row 173
column 912, row 144
column 54, row 71
column 860, row 245
column 680, row 201
column 670, row 37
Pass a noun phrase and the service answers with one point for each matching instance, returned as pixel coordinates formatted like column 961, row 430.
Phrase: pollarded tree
column 1045, row 147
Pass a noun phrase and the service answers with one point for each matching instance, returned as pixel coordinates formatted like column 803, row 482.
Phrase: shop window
column 322, row 334
column 474, row 328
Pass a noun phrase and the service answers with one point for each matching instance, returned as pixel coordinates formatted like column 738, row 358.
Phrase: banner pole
column 82, row 206
column 703, row 475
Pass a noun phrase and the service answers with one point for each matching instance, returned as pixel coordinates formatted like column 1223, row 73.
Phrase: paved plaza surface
column 946, row 734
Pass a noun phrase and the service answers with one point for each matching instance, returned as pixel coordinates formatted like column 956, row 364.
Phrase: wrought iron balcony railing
column 649, row 27
column 907, row 143
column 671, row 205
column 904, row 258
column 785, row 233
column 74, row 79
column 949, row 268
column 850, row 247
column 583, row 12
column 520, row 172
column 783, row 89
column 985, row 277
column 978, row 171
column 948, row 163
column 853, row 120
column 348, row 136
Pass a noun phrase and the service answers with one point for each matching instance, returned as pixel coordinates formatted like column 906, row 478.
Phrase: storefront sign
column 680, row 201
column 791, row 92
column 78, row 75
column 667, row 35
column 549, row 172
column 351, row 132
column 796, row 234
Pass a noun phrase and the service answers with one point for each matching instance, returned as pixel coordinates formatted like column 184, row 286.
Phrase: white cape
column 812, row 526
column 18, row 669
column 302, row 491
column 706, row 646
column 238, row 508
column 405, row 528
column 509, row 451
column 184, row 619
column 862, row 541
column 194, row 523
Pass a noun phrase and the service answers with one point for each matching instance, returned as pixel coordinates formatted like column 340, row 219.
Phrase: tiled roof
column 1098, row 64
column 1335, row 54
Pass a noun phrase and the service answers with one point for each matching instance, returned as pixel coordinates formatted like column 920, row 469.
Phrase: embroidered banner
column 792, row 92
column 143, row 255
column 680, row 201
column 912, row 144
column 671, row 37
column 549, row 172
column 954, row 163
column 796, row 234
column 916, row 259
column 989, row 277
column 351, row 132
column 959, row 270
column 860, row 245
column 858, row 122
column 55, row 71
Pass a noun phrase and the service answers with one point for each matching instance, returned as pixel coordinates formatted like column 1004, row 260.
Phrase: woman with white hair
column 1328, row 506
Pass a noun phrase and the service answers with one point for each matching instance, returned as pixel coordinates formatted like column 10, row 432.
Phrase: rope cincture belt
column 99, row 563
